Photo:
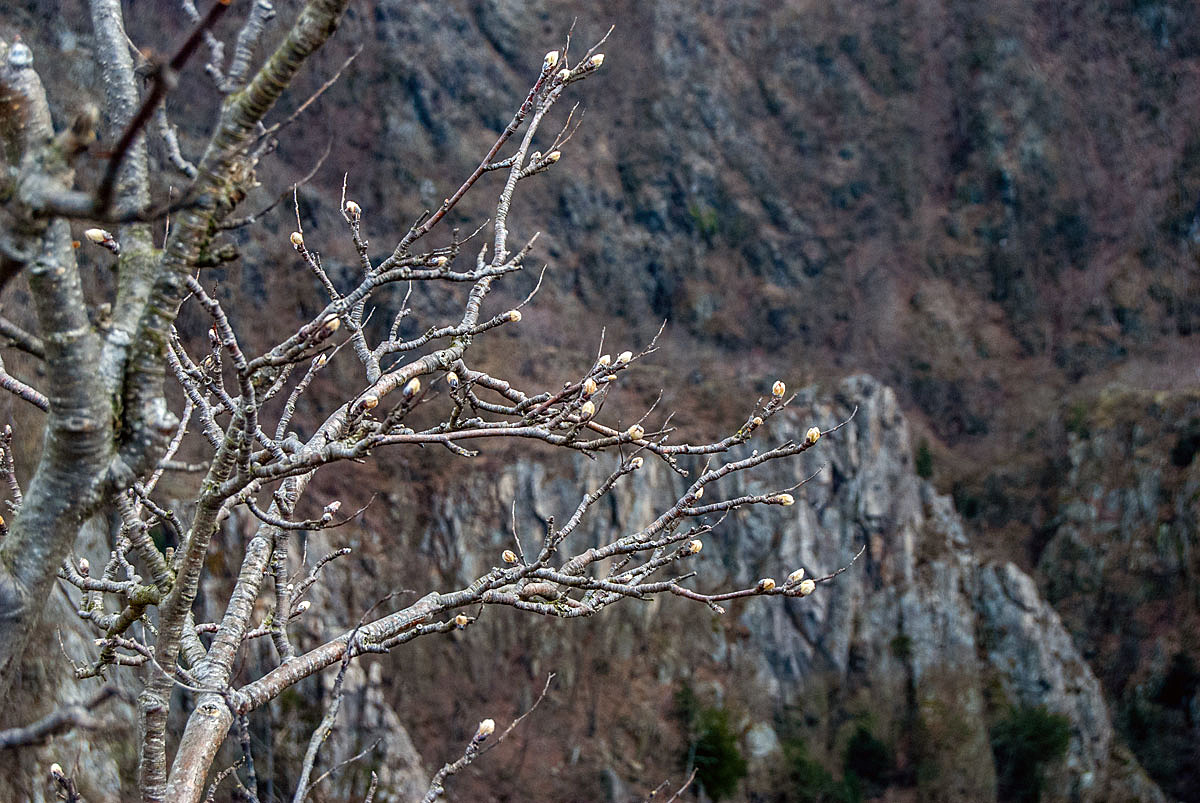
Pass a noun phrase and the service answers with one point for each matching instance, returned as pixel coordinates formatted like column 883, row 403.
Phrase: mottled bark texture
column 77, row 448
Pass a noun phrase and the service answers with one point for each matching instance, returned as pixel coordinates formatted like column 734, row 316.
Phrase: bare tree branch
column 79, row 715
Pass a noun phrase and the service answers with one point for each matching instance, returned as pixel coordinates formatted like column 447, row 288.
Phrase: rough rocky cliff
column 920, row 638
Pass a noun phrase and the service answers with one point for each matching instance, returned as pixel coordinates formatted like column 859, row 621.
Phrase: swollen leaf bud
column 636, row 432
column 84, row 566
column 807, row 587
column 765, row 584
column 329, row 325
column 596, row 60
column 695, row 545
column 589, row 386
column 605, row 360
column 778, row 389
column 514, row 315
column 485, row 729
column 550, row 60
column 587, row 410
column 812, row 436
column 563, row 75
column 787, row 500
column 439, row 262
column 553, row 156
column 624, row 357
column 103, row 239
column 636, row 462
column 297, row 239
column 509, row 556
column 796, row 576
column 353, row 209
column 452, row 379
column 56, row 771
column 369, row 402
column 699, row 492
column 461, row 620
column 412, row 388
column 303, row 605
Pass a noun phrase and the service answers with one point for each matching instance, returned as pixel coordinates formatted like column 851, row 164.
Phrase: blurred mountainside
column 990, row 207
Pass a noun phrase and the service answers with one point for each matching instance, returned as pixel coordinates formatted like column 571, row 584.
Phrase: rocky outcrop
column 921, row 635
column 1122, row 564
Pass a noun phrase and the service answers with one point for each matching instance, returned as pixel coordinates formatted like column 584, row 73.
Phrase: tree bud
column 19, row 58
column 303, row 605
column 553, row 156
column 550, row 60
column 757, row 421
column 369, row 402
column 509, row 556
column 695, row 545
column 624, row 357
column 596, row 60
column 765, row 584
column 636, row 432
column 297, row 239
column 56, row 771
column 439, row 262
column 412, row 388
column 330, row 324
column 103, row 239
column 589, row 386
column 84, row 566
column 796, row 576
column 778, row 389
column 452, row 379
column 485, row 729
column 699, row 492
column 812, row 436
column 563, row 75
column 461, row 620
column 605, row 360
column 587, row 410
column 807, row 587
column 353, row 209
column 787, row 500
column 636, row 462
column 514, row 315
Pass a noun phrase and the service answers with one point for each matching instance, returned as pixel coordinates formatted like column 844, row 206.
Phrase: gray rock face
column 918, row 630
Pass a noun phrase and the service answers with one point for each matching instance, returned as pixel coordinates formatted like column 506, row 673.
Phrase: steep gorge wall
column 919, row 637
